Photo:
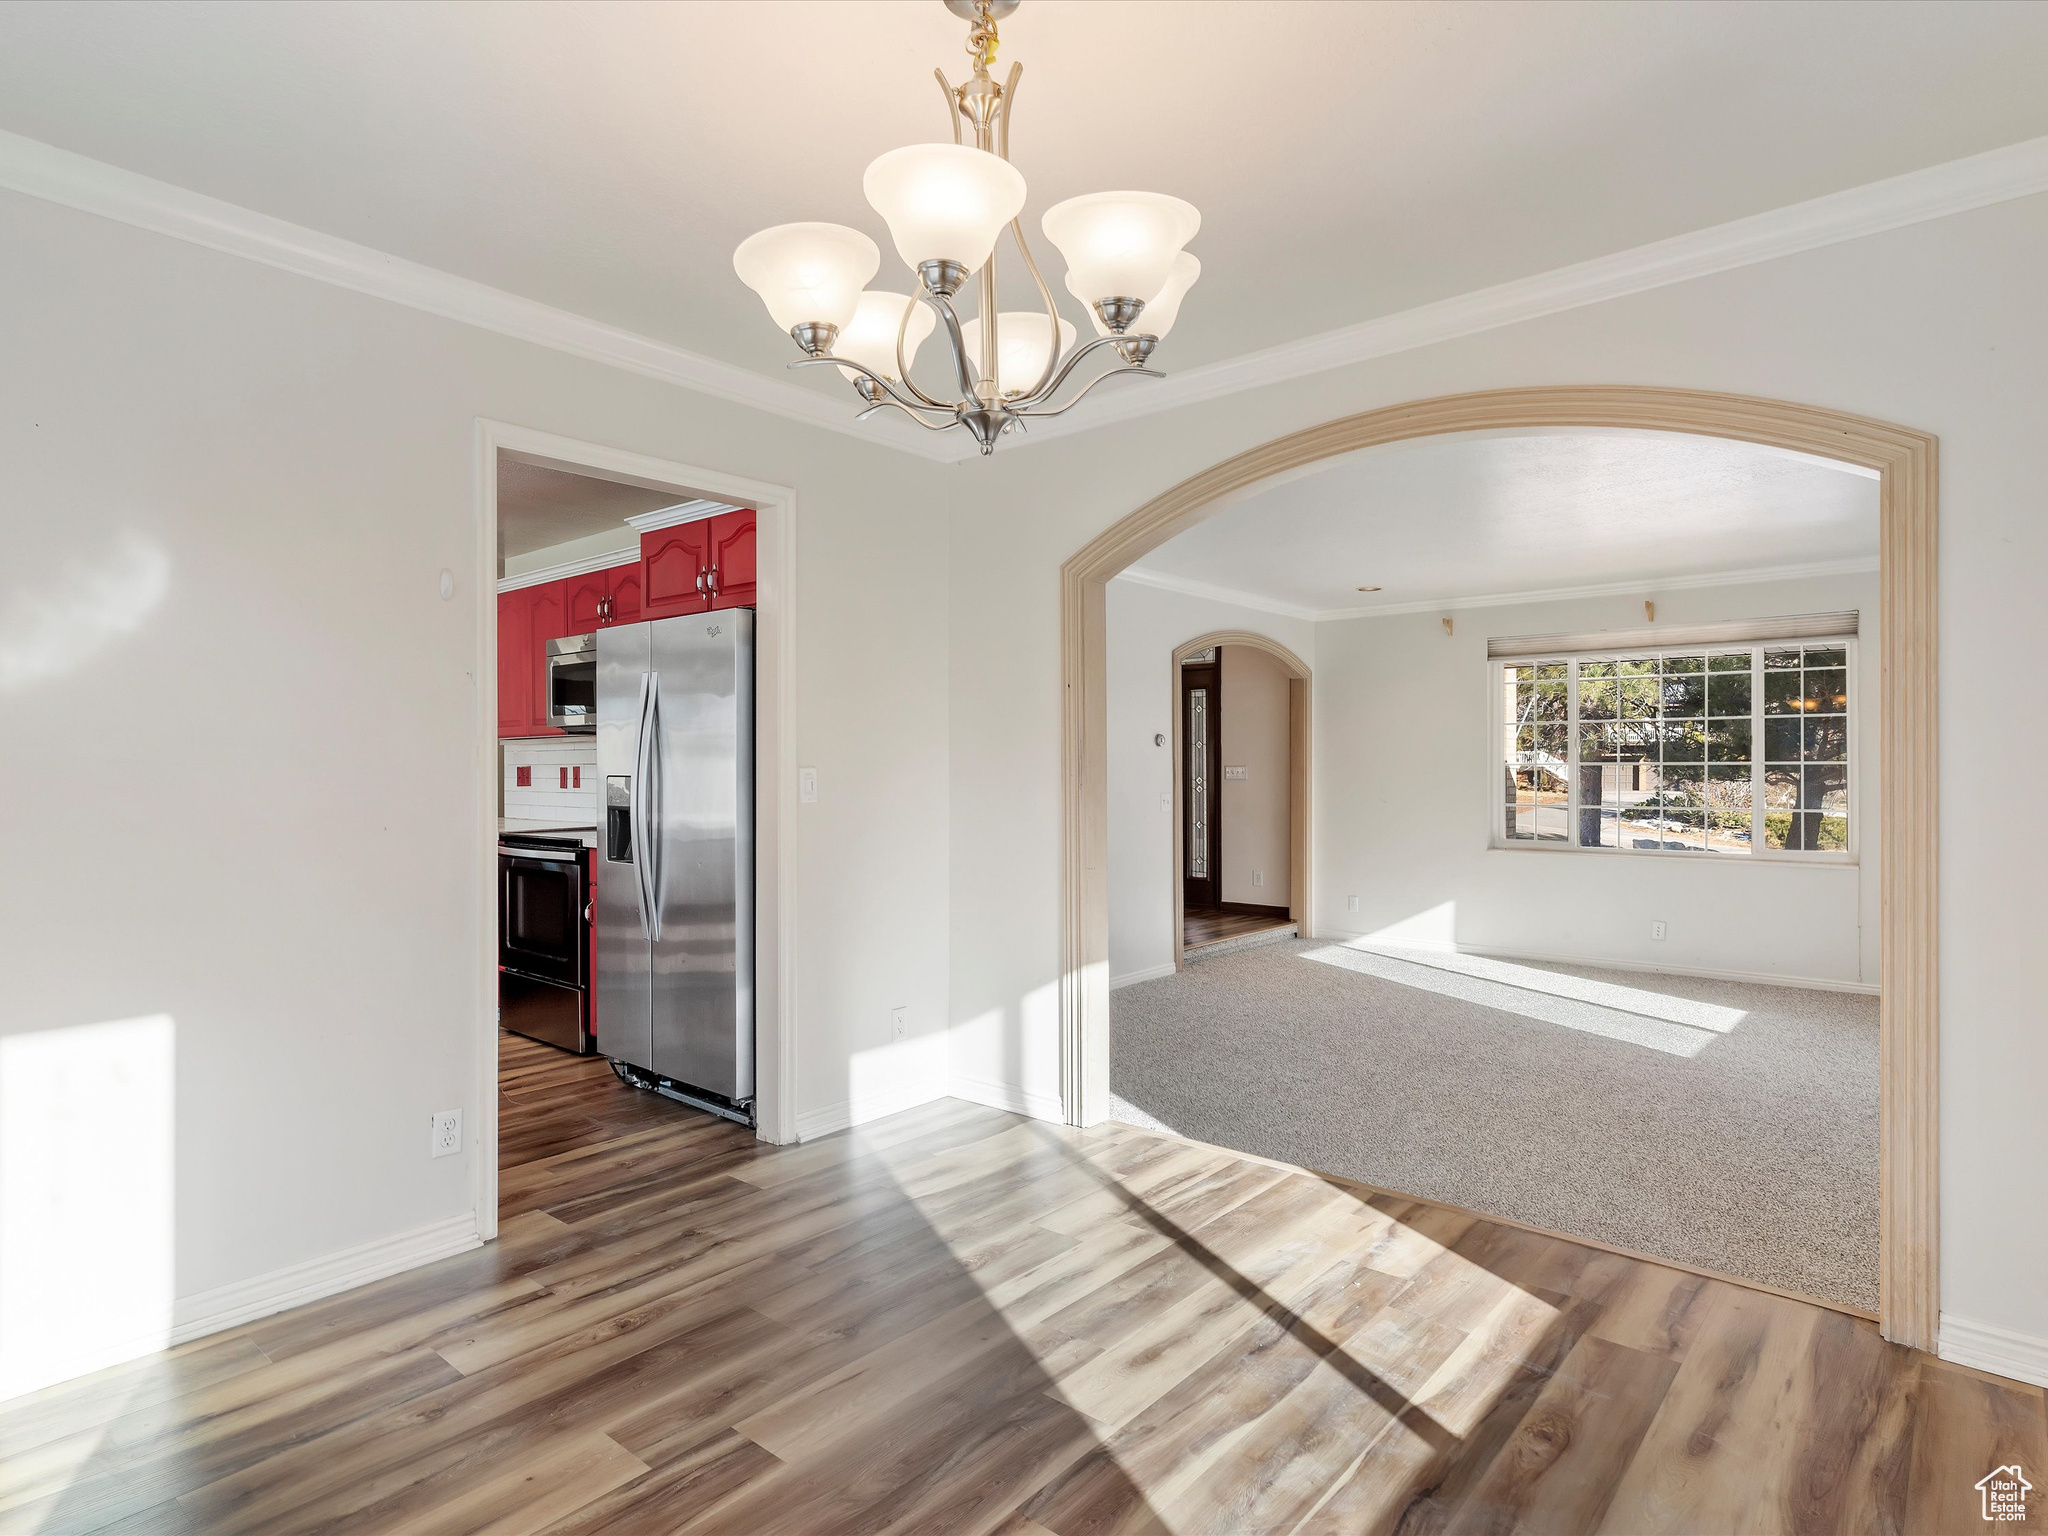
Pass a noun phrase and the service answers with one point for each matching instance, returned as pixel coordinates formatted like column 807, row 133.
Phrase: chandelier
column 946, row 206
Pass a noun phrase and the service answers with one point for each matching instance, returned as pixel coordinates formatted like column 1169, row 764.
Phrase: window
column 1714, row 750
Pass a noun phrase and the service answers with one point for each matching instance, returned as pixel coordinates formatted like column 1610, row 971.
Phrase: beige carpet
column 1724, row 1124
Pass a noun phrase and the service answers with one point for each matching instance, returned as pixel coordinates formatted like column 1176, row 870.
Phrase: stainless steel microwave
column 572, row 683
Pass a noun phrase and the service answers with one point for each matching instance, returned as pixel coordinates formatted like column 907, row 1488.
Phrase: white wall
column 1942, row 326
column 1406, row 784
column 1256, row 807
column 243, row 762
column 1144, row 625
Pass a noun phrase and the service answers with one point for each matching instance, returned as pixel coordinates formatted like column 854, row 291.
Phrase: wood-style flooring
column 957, row 1322
column 1211, row 925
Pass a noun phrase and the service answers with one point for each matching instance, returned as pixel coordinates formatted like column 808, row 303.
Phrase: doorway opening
column 575, row 538
column 1242, row 815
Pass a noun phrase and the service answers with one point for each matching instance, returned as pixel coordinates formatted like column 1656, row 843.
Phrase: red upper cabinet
column 529, row 617
column 583, row 601
column 623, row 603
column 516, row 657
column 550, row 622
column 674, row 563
column 731, row 577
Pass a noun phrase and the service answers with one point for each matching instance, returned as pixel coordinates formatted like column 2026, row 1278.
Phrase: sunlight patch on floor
column 1677, row 1026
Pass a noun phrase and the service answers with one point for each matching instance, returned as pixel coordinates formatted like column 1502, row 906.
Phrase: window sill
column 1695, row 855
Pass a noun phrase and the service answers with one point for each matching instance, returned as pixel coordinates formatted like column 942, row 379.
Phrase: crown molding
column 589, row 563
column 682, row 512
column 1649, row 586
column 92, row 186
column 1957, row 186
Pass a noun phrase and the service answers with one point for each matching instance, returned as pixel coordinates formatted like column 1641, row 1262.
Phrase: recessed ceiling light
column 1368, row 589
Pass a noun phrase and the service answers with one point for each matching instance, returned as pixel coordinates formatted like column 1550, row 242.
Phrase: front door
column 1202, row 777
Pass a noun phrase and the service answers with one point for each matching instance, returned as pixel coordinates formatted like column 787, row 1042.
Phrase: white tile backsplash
column 554, row 794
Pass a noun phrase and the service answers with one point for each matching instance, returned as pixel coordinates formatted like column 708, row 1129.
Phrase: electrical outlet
column 899, row 1023
column 1656, row 930
column 1258, row 877
column 1351, row 903
column 807, row 785
column 445, row 1138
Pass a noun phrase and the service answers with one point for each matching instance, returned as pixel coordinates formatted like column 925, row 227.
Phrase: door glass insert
column 1198, row 783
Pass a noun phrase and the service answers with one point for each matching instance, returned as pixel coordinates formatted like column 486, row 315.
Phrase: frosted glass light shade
column 1160, row 313
column 944, row 202
column 1120, row 244
column 1022, row 339
column 807, row 274
column 870, row 337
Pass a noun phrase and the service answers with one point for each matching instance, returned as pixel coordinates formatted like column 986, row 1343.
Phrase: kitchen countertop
column 587, row 830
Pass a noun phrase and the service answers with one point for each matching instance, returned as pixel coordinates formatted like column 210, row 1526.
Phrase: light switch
column 1234, row 773
column 807, row 785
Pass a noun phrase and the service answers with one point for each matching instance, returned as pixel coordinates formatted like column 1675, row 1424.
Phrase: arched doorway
column 1905, row 461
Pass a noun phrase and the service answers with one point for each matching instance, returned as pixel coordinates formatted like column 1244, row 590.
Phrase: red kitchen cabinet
column 673, row 565
column 731, row 577
column 625, row 594
column 516, row 655
column 583, row 601
column 609, row 596
column 529, row 617
column 550, row 622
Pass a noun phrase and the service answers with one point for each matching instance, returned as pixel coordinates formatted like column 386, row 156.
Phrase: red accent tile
column 565, row 778
column 576, row 777
column 523, row 777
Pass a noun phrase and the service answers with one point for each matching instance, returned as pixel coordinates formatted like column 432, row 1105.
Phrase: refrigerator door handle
column 638, row 808
column 647, row 814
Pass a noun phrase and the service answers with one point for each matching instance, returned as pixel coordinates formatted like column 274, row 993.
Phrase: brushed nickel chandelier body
column 946, row 206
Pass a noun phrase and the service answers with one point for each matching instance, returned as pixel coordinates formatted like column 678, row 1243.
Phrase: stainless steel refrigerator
column 675, row 869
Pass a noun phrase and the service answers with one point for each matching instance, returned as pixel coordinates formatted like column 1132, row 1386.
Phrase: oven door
column 572, row 683
column 541, row 918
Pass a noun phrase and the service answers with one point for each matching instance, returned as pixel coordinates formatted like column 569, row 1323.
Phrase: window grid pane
column 1717, row 751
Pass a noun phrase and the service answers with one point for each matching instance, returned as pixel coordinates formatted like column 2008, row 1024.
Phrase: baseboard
column 1150, row 973
column 847, row 1113
column 281, row 1289
column 1599, row 962
column 1019, row 1101
column 1986, row 1347
column 244, row 1301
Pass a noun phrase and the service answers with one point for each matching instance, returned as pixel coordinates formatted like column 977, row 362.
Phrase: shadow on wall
column 87, row 1188
column 1009, row 1036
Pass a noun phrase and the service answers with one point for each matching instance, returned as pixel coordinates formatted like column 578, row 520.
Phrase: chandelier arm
column 1039, row 390
column 903, row 365
column 952, row 102
column 1009, row 100
column 1086, row 389
column 1073, row 361
column 897, row 405
column 887, row 386
column 958, row 343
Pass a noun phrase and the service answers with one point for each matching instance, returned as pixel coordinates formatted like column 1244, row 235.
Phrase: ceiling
column 540, row 507
column 1486, row 515
column 1350, row 160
